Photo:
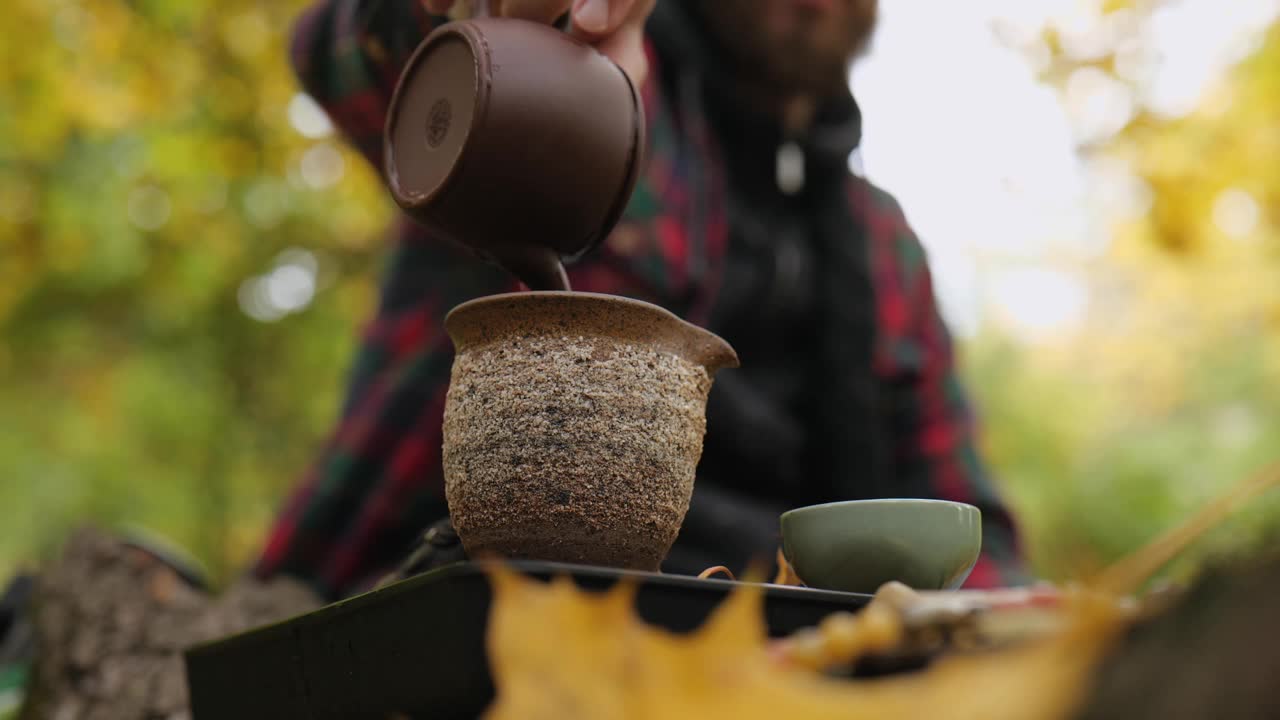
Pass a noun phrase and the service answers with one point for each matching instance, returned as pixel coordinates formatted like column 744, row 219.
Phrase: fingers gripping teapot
column 516, row 140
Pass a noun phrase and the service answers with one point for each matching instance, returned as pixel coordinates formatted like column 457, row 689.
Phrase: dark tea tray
column 416, row 648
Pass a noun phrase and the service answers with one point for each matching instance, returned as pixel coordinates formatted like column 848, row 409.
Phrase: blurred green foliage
column 1168, row 395
column 151, row 178
column 148, row 168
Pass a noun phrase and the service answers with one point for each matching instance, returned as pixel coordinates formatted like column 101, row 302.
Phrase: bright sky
column 985, row 159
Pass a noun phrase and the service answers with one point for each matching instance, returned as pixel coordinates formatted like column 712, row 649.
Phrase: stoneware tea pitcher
column 515, row 140
column 573, row 425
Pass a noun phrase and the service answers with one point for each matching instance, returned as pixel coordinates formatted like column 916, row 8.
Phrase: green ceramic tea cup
column 859, row 545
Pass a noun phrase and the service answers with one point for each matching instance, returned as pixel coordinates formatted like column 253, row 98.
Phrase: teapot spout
column 537, row 266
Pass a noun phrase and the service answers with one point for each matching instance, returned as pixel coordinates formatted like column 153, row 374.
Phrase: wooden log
column 112, row 620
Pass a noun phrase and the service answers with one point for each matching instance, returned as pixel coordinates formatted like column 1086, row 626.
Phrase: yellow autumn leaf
column 558, row 652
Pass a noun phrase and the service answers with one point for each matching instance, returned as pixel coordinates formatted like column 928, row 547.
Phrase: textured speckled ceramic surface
column 859, row 545
column 516, row 140
column 573, row 426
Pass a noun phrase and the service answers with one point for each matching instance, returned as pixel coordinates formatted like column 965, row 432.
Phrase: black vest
column 800, row 422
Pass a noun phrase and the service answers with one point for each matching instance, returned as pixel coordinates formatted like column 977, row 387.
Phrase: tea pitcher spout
column 715, row 355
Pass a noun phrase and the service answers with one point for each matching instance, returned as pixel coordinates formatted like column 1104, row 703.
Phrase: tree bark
column 111, row 624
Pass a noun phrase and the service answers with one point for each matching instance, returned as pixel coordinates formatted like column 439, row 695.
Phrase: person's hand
column 614, row 27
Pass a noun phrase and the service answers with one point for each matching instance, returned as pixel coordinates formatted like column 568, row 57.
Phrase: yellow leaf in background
column 786, row 574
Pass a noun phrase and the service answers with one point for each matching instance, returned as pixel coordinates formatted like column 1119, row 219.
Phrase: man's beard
column 793, row 64
column 806, row 58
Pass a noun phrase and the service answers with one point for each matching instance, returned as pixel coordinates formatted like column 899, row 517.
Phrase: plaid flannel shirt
column 379, row 479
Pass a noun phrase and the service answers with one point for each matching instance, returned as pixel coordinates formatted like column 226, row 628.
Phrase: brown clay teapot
column 515, row 140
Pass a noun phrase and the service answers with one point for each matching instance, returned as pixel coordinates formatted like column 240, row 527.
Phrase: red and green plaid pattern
column 379, row 478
